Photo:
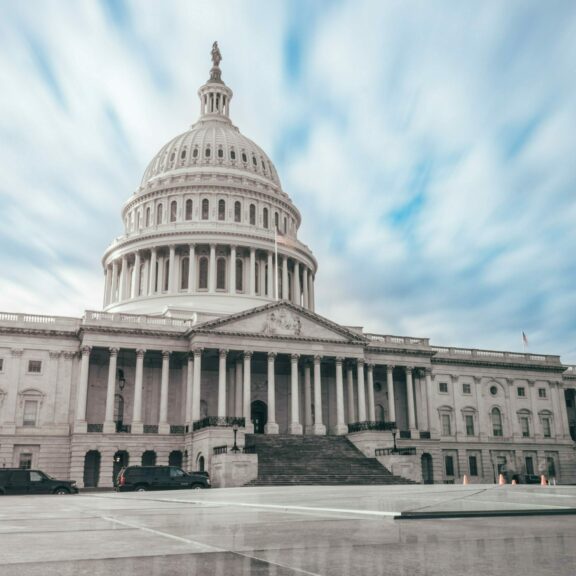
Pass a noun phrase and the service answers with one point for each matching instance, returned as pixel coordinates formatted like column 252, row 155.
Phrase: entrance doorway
column 259, row 416
column 91, row 469
column 427, row 473
column 121, row 459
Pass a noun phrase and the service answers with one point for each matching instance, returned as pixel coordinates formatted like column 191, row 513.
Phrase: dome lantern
column 215, row 96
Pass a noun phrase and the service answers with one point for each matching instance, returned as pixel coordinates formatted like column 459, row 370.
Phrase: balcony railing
column 177, row 429
column 123, row 428
column 240, row 449
column 150, row 428
column 95, row 428
column 424, row 435
column 495, row 355
column 401, row 340
column 370, row 425
column 405, row 434
column 224, row 422
column 395, row 451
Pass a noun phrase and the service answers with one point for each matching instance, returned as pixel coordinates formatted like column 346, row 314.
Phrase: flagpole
column 275, row 264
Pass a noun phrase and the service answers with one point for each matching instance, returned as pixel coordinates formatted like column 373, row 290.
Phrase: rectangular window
column 443, row 387
column 541, row 392
column 34, row 366
column 529, row 465
column 446, row 428
column 466, row 389
column 449, row 465
column 30, row 413
column 1, row 364
column 521, row 392
column 473, row 465
column 525, row 426
column 469, row 425
column 546, row 427
column 25, row 461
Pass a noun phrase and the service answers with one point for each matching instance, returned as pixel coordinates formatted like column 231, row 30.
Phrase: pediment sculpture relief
column 282, row 323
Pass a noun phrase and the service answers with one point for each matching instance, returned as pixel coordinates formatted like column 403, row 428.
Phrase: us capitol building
column 208, row 333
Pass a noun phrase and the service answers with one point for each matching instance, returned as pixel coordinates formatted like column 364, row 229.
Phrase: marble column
column 305, row 297
column 350, row 386
column 296, row 278
column 270, row 272
column 429, row 395
column 172, row 270
column 238, row 390
column 197, row 384
column 252, row 279
column 189, row 390
column 371, row 407
column 340, row 427
column 109, row 426
column 163, row 426
column 295, row 426
column 361, row 391
column 390, row 390
column 247, row 389
column 161, row 271
column 137, row 424
column 11, row 400
column 410, row 395
column 222, row 383
column 152, row 272
column 212, row 269
column 285, row 288
column 308, row 420
column 311, row 303
column 271, row 426
column 192, row 269
column 114, row 289
column 319, row 428
column 232, row 269
column 107, row 286
column 134, row 289
column 80, row 425
column 123, row 278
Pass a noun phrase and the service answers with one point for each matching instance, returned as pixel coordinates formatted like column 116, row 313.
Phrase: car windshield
column 47, row 475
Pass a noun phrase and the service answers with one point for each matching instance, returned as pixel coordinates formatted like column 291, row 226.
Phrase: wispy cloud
column 429, row 147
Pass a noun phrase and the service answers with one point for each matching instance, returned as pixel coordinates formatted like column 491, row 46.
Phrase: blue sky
column 430, row 146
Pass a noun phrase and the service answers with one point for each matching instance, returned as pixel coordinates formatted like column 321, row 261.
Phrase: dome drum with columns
column 210, row 231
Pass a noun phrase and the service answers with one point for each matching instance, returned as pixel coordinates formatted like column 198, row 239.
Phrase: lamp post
column 235, row 430
column 394, row 432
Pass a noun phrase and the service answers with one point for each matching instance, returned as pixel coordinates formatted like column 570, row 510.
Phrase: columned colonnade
column 207, row 268
column 235, row 378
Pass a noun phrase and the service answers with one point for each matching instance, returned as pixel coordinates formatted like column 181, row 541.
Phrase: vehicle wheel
column 197, row 487
column 61, row 491
column 141, row 488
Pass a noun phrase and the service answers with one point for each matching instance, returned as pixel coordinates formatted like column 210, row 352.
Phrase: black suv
column 18, row 481
column 142, row 478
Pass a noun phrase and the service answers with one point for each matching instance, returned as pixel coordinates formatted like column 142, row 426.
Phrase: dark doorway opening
column 91, row 469
column 121, row 460
column 175, row 458
column 427, row 473
column 149, row 458
column 259, row 416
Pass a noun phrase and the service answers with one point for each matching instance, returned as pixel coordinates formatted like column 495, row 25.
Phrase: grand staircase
column 314, row 460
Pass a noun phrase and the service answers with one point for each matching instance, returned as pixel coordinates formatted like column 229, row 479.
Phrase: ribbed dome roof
column 211, row 143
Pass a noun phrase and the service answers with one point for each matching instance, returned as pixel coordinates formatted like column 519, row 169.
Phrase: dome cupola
column 210, row 231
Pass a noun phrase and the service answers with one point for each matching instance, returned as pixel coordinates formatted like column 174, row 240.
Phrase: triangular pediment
column 280, row 320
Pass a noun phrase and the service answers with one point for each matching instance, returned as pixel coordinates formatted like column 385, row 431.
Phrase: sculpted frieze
column 282, row 323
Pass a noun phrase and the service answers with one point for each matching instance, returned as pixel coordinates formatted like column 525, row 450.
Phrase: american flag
column 524, row 338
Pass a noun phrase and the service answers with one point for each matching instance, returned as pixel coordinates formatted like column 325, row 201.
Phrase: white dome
column 211, row 143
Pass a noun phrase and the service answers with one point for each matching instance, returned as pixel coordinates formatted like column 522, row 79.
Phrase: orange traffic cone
column 465, row 480
column 514, row 482
column 501, row 480
column 543, row 481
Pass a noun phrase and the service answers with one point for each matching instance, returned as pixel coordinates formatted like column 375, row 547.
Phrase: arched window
column 285, row 225
column 207, row 152
column 159, row 214
column 496, row 422
column 220, row 152
column 380, row 413
column 189, row 209
column 253, row 159
column 276, row 221
column 232, row 154
column 203, row 273
column 148, row 216
column 166, row 273
column 195, row 153
column 149, row 458
column 265, row 217
column 239, row 275
column 205, row 209
column 244, row 157
column 183, row 154
column 221, row 273
column 252, row 214
column 184, row 270
column 173, row 210
column 221, row 210
column 237, row 212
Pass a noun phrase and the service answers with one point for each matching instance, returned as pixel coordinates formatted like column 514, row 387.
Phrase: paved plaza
column 293, row 531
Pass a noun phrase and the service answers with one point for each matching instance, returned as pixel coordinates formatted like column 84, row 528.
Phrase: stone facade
column 209, row 324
